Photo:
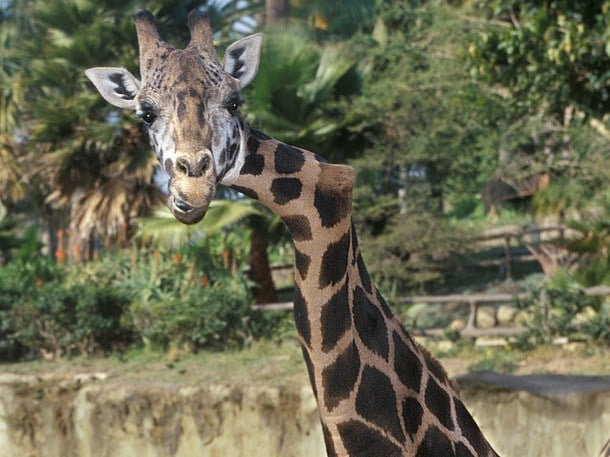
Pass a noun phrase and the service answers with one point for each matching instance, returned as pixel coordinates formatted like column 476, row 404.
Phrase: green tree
column 301, row 90
column 552, row 60
column 431, row 137
column 11, row 95
column 163, row 230
column 340, row 18
column 300, row 96
column 548, row 55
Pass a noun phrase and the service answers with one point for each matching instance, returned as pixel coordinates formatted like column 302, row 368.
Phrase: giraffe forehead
column 186, row 74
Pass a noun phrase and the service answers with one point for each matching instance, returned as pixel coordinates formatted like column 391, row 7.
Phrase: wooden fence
column 472, row 300
column 527, row 236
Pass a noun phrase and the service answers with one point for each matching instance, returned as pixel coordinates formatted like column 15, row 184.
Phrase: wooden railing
column 520, row 237
column 472, row 300
column 529, row 236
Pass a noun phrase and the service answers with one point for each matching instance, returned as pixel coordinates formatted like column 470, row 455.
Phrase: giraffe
column 378, row 392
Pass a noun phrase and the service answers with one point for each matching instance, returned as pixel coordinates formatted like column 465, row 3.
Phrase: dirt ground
column 269, row 363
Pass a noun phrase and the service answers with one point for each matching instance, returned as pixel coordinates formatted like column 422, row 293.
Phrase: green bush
column 217, row 315
column 58, row 319
column 561, row 308
column 19, row 282
column 11, row 290
column 51, row 310
column 159, row 299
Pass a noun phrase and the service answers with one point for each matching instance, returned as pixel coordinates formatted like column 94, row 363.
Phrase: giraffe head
column 188, row 102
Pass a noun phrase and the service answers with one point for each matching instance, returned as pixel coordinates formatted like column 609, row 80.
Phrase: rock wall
column 118, row 419
column 523, row 424
column 105, row 418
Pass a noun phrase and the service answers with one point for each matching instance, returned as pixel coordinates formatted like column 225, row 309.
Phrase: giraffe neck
column 378, row 392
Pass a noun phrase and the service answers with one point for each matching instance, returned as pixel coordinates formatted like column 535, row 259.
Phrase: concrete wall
column 104, row 418
column 522, row 424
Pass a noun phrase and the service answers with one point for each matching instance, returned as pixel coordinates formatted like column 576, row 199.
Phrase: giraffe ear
column 118, row 86
column 242, row 57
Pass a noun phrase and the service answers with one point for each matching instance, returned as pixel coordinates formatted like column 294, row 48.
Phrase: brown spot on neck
column 333, row 194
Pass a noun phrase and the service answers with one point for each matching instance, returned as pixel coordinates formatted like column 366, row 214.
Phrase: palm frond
column 110, row 209
column 11, row 185
column 335, row 62
column 163, row 229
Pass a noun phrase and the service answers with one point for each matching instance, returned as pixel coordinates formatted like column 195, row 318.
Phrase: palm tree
column 11, row 95
column 75, row 146
column 299, row 90
column 163, row 230
column 90, row 159
column 297, row 99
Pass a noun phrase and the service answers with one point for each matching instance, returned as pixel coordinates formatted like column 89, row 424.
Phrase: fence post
column 507, row 257
column 544, row 304
column 472, row 317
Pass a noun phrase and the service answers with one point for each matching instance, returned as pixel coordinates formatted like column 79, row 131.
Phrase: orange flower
column 60, row 254
column 321, row 22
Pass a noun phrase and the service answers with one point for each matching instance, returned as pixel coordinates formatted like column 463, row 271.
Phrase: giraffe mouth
column 184, row 211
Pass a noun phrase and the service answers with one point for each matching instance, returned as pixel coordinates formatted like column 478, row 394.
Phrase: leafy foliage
column 429, row 136
column 592, row 243
column 79, row 318
column 162, row 229
column 212, row 316
column 191, row 299
column 300, row 91
column 561, row 309
column 414, row 251
column 549, row 55
column 428, row 100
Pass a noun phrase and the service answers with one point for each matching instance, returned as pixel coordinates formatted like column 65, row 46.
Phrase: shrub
column 60, row 319
column 19, row 282
column 218, row 315
column 91, row 308
column 561, row 308
column 11, row 290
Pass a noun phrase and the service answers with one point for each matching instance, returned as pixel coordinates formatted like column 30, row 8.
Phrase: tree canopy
column 430, row 100
column 549, row 55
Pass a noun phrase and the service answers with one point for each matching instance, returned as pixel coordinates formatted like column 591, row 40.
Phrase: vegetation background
column 459, row 116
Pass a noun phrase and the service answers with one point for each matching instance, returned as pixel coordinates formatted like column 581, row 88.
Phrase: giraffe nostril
column 182, row 166
column 192, row 168
column 204, row 163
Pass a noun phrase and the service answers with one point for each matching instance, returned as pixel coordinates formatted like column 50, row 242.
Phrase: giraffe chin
column 185, row 212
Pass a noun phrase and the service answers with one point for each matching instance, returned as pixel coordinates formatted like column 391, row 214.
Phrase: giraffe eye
column 233, row 103
column 148, row 117
column 147, row 113
column 233, row 107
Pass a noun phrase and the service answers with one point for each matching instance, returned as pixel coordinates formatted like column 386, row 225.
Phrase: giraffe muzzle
column 193, row 168
column 185, row 212
column 191, row 186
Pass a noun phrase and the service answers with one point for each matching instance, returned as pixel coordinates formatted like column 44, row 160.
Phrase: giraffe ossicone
column 379, row 393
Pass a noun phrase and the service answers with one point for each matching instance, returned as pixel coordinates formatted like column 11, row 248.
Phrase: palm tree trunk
column 275, row 10
column 260, row 271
